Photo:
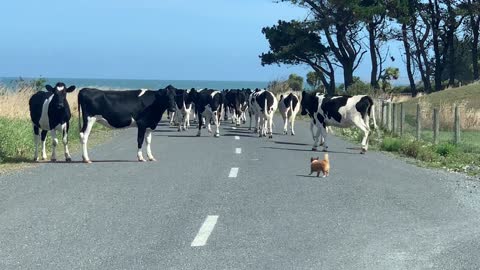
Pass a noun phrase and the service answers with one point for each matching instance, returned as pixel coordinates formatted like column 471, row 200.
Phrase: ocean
column 125, row 84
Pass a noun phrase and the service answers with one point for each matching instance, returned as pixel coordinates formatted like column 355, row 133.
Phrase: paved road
column 373, row 212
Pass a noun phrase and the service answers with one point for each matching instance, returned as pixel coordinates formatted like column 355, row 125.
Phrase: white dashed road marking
column 233, row 173
column 238, row 150
column 205, row 231
column 237, row 137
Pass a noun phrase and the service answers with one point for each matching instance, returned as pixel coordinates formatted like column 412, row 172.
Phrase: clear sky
column 143, row 39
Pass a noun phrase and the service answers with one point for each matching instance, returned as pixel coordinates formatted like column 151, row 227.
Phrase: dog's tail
column 326, row 157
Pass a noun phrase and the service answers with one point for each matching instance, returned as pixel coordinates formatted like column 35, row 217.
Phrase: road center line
column 237, row 137
column 233, row 173
column 238, row 150
column 205, row 231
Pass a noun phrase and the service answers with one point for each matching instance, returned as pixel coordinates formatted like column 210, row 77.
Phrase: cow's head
column 166, row 97
column 59, row 100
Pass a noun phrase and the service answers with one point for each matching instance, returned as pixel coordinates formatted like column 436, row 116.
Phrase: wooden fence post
column 402, row 119
column 382, row 121
column 419, row 125
column 394, row 118
column 389, row 117
column 457, row 125
column 436, row 126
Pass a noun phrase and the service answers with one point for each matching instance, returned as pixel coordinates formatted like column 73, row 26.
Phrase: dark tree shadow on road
column 63, row 162
column 291, row 143
column 310, row 150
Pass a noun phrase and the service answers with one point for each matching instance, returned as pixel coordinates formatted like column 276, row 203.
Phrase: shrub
column 391, row 144
column 445, row 149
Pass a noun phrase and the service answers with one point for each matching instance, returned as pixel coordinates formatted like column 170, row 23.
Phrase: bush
column 391, row 144
column 445, row 149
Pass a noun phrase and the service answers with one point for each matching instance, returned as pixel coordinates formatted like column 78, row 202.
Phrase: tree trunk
column 475, row 21
column 348, row 75
column 408, row 56
column 451, row 58
column 373, row 57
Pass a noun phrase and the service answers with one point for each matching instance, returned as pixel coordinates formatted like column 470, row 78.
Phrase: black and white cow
column 208, row 104
column 340, row 111
column 183, row 109
column 236, row 101
column 123, row 109
column 263, row 105
column 50, row 111
column 289, row 107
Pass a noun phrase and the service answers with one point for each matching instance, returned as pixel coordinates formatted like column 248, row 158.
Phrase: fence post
column 457, row 125
column 436, row 126
column 419, row 125
column 382, row 121
column 389, row 117
column 402, row 119
column 394, row 118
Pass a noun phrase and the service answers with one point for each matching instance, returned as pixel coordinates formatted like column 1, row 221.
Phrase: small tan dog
column 318, row 166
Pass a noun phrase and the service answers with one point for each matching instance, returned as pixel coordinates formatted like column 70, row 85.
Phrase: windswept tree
column 296, row 42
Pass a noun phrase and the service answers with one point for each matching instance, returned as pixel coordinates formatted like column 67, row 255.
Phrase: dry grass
column 469, row 117
column 14, row 104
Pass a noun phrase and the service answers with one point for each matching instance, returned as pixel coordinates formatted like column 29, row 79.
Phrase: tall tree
column 471, row 9
column 298, row 43
column 373, row 14
column 339, row 24
column 403, row 11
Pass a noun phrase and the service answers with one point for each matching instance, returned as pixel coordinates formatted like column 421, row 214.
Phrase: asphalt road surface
column 236, row 202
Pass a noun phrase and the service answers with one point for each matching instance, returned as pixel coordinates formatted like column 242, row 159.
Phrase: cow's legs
column 366, row 131
column 200, row 120
column 250, row 116
column 36, row 140
column 316, row 137
column 285, row 122
column 140, row 139
column 257, row 123
column 53, row 132
column 292, row 123
column 217, row 124
column 270, row 125
column 148, row 142
column 43, row 137
column 65, row 130
column 84, row 134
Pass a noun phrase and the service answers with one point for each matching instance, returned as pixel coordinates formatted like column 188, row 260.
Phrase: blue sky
column 143, row 39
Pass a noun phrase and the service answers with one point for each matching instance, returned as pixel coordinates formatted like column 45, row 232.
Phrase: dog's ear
column 318, row 158
column 311, row 160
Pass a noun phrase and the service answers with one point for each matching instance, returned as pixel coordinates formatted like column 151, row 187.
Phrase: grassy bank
column 463, row 158
column 16, row 134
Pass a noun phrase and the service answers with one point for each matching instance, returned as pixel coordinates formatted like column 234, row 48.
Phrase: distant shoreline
column 123, row 84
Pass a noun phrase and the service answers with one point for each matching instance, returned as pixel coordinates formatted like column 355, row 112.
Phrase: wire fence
column 446, row 123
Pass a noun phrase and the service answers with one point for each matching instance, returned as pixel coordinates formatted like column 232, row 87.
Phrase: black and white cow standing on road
column 208, row 104
column 289, row 107
column 263, row 104
column 123, row 109
column 340, row 111
column 236, row 101
column 50, row 111
column 183, row 109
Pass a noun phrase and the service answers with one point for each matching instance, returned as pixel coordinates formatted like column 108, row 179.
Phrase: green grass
column 463, row 158
column 469, row 95
column 17, row 145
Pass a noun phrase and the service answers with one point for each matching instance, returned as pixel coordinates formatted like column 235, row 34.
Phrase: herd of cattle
column 144, row 109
